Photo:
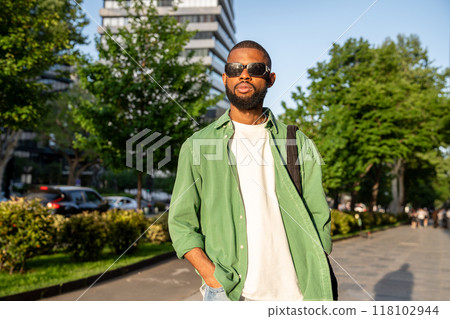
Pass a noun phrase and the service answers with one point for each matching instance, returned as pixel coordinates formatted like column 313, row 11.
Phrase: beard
column 246, row 102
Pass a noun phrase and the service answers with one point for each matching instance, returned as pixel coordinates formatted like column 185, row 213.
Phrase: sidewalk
column 396, row 264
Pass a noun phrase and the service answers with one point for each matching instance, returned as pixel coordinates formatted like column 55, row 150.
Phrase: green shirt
column 207, row 210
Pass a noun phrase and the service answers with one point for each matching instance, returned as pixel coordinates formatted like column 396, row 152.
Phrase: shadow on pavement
column 395, row 286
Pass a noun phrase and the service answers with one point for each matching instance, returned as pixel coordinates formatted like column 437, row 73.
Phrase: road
column 396, row 264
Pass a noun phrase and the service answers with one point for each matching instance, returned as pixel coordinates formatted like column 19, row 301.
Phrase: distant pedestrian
column 435, row 219
column 426, row 217
column 421, row 216
column 440, row 217
column 414, row 219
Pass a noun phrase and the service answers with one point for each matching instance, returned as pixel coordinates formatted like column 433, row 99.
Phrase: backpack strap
column 295, row 174
column 292, row 157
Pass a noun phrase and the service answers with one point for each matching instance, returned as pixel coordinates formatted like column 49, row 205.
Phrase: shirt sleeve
column 184, row 221
column 313, row 193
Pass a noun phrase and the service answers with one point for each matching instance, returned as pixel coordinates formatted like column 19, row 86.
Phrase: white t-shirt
column 271, row 274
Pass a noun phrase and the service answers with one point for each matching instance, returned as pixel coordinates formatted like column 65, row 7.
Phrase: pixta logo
column 146, row 148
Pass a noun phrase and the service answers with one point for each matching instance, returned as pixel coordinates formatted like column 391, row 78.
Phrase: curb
column 84, row 282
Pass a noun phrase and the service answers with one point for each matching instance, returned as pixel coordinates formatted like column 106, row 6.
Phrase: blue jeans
column 213, row 294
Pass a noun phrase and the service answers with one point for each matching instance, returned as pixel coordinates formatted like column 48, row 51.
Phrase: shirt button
column 225, row 136
column 241, row 217
column 240, row 276
column 242, row 246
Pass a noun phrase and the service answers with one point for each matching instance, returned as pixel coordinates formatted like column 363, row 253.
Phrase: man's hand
column 204, row 266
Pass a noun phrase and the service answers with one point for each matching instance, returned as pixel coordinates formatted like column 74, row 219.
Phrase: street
column 396, row 264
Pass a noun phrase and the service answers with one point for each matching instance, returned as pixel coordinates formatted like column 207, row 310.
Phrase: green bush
column 84, row 235
column 124, row 227
column 158, row 233
column 26, row 230
column 343, row 223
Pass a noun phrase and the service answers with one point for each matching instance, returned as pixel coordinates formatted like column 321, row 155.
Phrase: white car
column 121, row 202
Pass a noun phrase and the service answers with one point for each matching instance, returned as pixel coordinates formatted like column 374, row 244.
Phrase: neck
column 249, row 117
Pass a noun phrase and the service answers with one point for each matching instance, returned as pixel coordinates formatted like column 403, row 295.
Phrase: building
column 212, row 19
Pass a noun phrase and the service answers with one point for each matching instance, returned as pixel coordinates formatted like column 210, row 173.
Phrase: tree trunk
column 353, row 201
column 73, row 163
column 397, row 186
column 375, row 189
column 336, row 200
column 139, row 190
column 8, row 143
column 401, row 186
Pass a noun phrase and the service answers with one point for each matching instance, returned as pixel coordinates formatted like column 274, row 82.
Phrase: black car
column 68, row 200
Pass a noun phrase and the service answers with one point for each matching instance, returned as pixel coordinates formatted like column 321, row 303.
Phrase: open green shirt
column 207, row 210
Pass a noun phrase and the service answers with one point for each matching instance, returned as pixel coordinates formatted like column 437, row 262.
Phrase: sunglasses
column 257, row 69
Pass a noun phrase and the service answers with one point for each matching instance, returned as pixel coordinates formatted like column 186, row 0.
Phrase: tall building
column 212, row 19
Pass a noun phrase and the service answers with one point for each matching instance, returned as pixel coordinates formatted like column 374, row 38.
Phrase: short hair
column 249, row 44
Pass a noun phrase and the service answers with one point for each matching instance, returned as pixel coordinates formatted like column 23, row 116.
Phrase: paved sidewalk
column 396, row 264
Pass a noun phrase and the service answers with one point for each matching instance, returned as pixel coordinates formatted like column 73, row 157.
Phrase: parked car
column 68, row 200
column 123, row 202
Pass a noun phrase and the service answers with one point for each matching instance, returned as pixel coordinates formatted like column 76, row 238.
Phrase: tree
column 34, row 36
column 373, row 108
column 62, row 132
column 143, row 83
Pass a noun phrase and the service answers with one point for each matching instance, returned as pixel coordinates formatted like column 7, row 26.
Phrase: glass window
column 197, row 52
column 77, row 197
column 92, row 197
column 164, row 3
column 203, row 35
column 196, row 18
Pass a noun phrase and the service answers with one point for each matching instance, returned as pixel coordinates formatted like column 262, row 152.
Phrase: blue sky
column 296, row 33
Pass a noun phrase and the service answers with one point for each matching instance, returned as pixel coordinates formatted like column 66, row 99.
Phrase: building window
column 218, row 60
column 214, row 92
column 164, row 3
column 197, row 18
column 221, row 46
column 112, row 4
column 217, row 76
column 115, row 21
column 197, row 52
column 203, row 35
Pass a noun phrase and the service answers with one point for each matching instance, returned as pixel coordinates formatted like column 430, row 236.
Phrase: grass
column 48, row 270
column 341, row 236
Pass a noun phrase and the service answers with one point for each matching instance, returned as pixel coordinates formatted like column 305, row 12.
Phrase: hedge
column 28, row 229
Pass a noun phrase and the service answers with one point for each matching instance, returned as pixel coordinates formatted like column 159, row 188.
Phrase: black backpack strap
column 295, row 174
column 292, row 157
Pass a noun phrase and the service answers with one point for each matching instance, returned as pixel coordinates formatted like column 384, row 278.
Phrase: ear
column 224, row 79
column 271, row 79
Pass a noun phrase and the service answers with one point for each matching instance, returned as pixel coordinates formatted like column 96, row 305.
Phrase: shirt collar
column 225, row 119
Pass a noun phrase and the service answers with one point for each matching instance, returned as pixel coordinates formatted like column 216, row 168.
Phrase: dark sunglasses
column 257, row 69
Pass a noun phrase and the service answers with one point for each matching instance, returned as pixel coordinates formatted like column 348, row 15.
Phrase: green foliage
column 344, row 223
column 144, row 83
column 85, row 235
column 61, row 130
column 158, row 233
column 371, row 107
column 34, row 36
column 124, row 228
column 26, row 229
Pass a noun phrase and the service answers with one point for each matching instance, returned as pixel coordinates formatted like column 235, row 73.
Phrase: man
column 235, row 213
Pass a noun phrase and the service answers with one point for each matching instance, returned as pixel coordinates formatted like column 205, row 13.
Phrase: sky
column 299, row 33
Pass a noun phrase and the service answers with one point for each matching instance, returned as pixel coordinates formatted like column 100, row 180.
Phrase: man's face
column 246, row 92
